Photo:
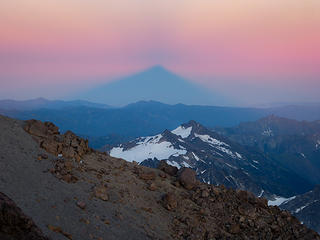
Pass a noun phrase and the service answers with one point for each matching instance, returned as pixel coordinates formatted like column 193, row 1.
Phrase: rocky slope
column 215, row 159
column 306, row 208
column 14, row 224
column 73, row 192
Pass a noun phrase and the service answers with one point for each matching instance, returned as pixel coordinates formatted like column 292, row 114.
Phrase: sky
column 248, row 50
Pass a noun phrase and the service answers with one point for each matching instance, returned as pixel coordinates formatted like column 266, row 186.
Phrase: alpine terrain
column 71, row 191
column 215, row 159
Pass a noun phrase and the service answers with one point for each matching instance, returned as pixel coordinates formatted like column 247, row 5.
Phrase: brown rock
column 170, row 201
column 68, row 165
column 52, row 129
column 50, row 146
column 101, row 193
column 36, row 128
column 147, row 175
column 162, row 175
column 68, row 152
column 187, row 178
column 171, row 170
column 59, row 230
column 204, row 193
column 235, row 229
column 42, row 156
column 152, row 187
column 81, row 204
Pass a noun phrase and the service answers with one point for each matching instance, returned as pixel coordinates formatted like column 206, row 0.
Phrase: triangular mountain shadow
column 156, row 83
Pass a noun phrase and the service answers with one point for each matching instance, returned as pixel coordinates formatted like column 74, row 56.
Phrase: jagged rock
column 14, row 224
column 170, row 201
column 187, row 178
column 36, row 128
column 47, row 134
column 171, row 170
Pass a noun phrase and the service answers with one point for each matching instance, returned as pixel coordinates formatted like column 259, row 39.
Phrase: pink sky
column 261, row 44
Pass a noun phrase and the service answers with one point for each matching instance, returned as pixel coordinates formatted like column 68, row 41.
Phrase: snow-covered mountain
column 306, row 208
column 216, row 160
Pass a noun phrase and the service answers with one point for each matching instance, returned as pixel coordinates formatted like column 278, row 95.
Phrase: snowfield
column 279, row 200
column 210, row 140
column 150, row 147
column 182, row 132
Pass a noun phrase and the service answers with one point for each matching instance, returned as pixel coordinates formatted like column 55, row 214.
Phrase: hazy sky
column 252, row 50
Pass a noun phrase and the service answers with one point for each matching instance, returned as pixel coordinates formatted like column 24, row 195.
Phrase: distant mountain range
column 294, row 144
column 156, row 83
column 42, row 103
column 143, row 118
column 215, row 159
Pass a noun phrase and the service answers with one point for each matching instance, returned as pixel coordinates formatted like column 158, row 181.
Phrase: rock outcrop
column 47, row 135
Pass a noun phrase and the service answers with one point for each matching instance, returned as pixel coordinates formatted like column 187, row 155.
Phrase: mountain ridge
column 215, row 158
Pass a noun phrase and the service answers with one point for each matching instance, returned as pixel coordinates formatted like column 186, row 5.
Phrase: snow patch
column 186, row 165
column 231, row 166
column 254, row 166
column 227, row 151
column 149, row 147
column 280, row 200
column 182, row 147
column 268, row 132
column 195, row 156
column 182, row 132
column 210, row 140
column 260, row 195
column 173, row 163
column 301, row 208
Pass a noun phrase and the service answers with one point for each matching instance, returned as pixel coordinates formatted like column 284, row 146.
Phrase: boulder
column 171, row 170
column 187, row 178
column 170, row 201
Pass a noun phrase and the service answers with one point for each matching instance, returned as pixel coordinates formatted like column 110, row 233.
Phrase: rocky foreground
column 73, row 192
